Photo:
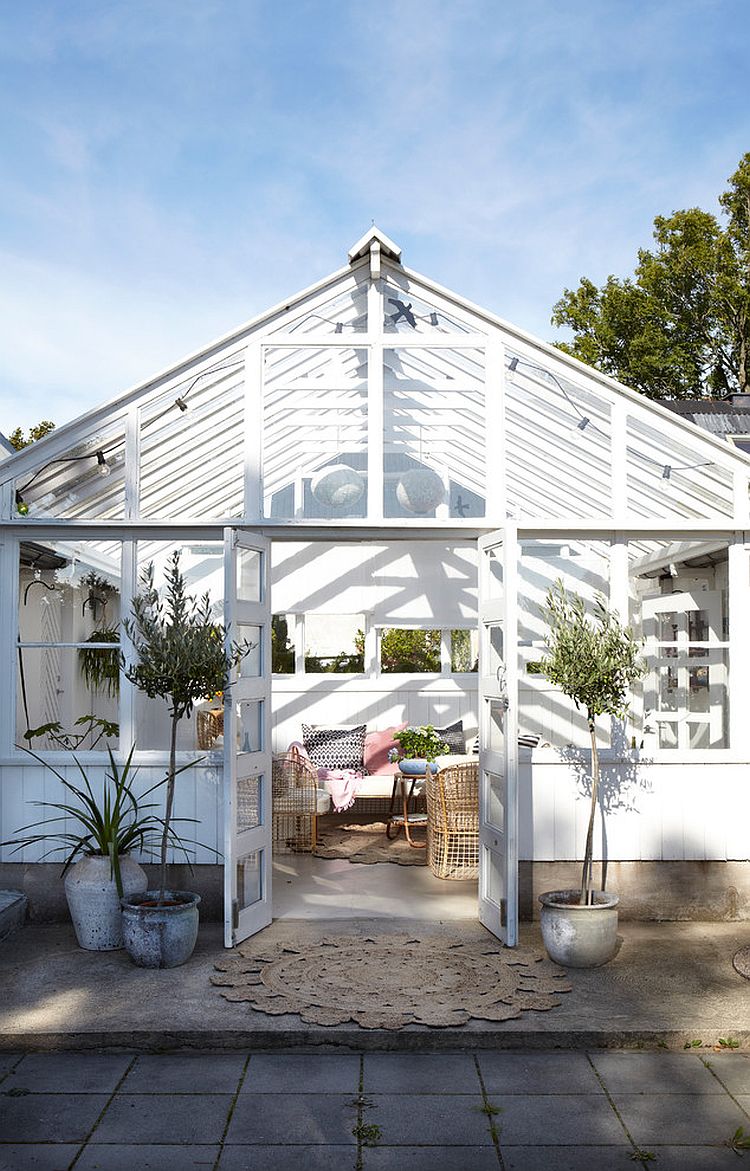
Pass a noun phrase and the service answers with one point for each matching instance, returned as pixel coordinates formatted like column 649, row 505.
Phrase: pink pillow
column 377, row 747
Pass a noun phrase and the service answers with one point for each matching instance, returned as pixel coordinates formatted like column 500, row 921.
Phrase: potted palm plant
column 96, row 835
column 180, row 657
column 595, row 661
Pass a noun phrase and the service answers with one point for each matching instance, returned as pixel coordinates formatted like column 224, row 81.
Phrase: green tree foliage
column 180, row 657
column 595, row 661
column 282, row 648
column 410, row 651
column 18, row 439
column 680, row 327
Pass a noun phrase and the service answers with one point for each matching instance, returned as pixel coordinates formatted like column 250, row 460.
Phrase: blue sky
column 170, row 168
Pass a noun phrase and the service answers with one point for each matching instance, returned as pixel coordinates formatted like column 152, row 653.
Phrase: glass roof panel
column 669, row 475
column 87, row 482
column 192, row 459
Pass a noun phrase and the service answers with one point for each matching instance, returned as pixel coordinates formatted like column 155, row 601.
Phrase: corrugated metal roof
column 717, row 416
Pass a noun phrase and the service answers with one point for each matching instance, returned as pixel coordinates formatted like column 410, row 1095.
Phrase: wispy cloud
column 169, row 170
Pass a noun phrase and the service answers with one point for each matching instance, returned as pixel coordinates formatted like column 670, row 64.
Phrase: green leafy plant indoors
column 100, row 667
column 180, row 657
column 595, row 661
column 115, row 825
column 422, row 743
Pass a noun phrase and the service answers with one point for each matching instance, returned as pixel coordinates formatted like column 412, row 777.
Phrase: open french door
column 498, row 735
column 247, row 738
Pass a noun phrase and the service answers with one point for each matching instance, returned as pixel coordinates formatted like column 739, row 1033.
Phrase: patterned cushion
column 453, row 736
column 335, row 747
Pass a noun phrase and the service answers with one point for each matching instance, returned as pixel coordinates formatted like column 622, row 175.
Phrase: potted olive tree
column 181, row 658
column 595, row 661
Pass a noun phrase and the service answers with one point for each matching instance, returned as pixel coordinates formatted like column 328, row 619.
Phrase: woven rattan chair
column 294, row 787
column 453, row 821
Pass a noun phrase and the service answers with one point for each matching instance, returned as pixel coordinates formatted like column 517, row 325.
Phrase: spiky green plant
column 595, row 661
column 114, row 825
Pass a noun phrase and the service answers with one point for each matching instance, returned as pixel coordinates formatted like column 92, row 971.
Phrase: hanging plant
column 99, row 667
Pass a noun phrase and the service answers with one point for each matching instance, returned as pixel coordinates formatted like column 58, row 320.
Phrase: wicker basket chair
column 294, row 789
column 453, row 821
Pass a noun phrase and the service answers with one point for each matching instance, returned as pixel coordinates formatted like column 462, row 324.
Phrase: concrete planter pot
column 94, row 902
column 160, row 937
column 576, row 936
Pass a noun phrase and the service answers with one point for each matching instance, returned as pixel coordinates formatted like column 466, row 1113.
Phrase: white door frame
column 498, row 734
column 247, row 739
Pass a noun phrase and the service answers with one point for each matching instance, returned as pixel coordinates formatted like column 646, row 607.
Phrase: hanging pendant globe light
column 420, row 491
column 337, row 486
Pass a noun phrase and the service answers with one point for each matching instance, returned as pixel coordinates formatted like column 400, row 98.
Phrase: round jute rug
column 388, row 981
column 368, row 844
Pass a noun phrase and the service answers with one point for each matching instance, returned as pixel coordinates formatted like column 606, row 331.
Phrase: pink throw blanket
column 342, row 784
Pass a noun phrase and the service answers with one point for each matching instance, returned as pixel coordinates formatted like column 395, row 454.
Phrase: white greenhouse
column 372, row 458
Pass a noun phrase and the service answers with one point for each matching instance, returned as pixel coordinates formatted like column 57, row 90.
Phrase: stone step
column 13, row 905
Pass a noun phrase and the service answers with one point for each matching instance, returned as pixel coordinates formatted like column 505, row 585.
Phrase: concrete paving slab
column 38, row 1156
column 650, row 1073
column 420, row 1073
column 557, row 1120
column 140, row 1157
column 165, row 1073
column 669, row 983
column 149, row 1118
column 431, row 1159
column 302, row 1073
column 439, row 1120
column 571, row 1158
column 49, row 1118
column 285, row 1158
column 538, row 1073
column 312, row 1119
column 732, row 1070
column 67, row 1073
column 670, row 1119
column 693, row 1158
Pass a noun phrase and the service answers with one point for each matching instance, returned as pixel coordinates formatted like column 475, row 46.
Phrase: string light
column 584, row 422
column 104, row 468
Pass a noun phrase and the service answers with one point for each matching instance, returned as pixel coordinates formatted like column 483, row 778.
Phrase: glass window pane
column 250, row 575
column 496, row 726
column 69, row 591
column 434, row 432
column 334, row 643
column 315, row 431
column 495, row 790
column 464, row 650
column 60, row 685
column 410, row 652
column 250, row 725
column 249, row 797
column 282, row 646
column 250, row 879
column 251, row 664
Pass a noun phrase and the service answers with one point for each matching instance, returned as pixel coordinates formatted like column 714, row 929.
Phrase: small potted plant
column 595, row 661
column 418, row 748
column 98, row 835
column 180, row 657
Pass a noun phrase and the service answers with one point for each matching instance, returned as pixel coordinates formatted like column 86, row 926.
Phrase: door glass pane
column 249, row 797
column 495, row 572
column 493, row 878
column 496, row 726
column 250, row 725
column 251, row 665
column 249, row 575
column 495, row 789
column 250, row 879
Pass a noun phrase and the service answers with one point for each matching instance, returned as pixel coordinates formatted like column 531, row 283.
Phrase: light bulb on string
column 103, row 467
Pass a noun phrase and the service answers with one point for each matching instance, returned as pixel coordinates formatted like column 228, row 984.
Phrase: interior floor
column 305, row 887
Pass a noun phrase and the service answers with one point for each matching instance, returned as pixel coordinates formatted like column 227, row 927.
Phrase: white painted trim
column 739, row 642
